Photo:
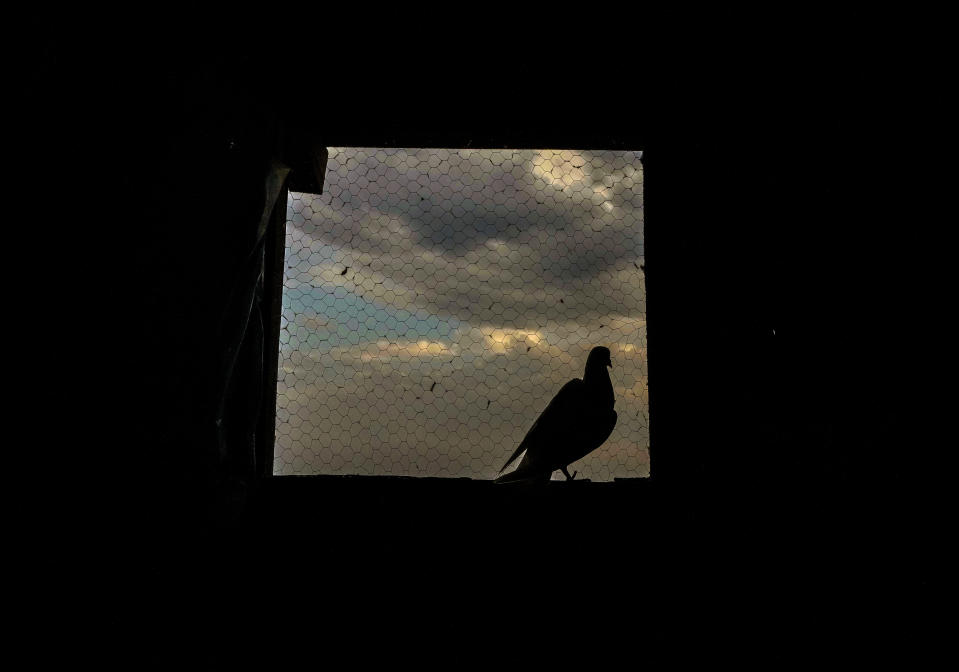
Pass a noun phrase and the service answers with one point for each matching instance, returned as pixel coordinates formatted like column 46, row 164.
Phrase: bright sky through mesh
column 435, row 300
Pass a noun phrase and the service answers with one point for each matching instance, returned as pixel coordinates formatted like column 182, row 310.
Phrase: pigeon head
column 599, row 357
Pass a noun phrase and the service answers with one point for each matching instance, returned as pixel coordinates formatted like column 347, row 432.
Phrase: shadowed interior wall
column 766, row 213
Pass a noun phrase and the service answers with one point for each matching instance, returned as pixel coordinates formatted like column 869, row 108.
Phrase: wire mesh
column 435, row 300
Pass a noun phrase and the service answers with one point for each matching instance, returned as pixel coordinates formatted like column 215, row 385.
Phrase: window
column 435, row 300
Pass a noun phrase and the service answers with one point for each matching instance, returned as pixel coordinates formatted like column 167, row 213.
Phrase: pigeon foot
column 566, row 474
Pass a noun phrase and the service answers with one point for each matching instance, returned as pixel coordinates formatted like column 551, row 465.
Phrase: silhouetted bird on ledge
column 575, row 423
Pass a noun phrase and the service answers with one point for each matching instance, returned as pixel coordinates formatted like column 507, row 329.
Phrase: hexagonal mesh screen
column 435, row 301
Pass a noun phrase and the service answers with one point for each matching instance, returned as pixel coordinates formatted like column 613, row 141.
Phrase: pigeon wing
column 553, row 423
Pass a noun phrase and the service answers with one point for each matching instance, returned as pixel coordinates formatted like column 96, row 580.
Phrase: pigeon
column 575, row 423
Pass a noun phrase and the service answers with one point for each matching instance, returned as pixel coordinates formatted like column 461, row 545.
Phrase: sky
column 435, row 300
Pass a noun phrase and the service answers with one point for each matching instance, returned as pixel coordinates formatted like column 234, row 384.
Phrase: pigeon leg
column 566, row 474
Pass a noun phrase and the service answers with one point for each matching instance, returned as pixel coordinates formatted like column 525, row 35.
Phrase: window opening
column 435, row 300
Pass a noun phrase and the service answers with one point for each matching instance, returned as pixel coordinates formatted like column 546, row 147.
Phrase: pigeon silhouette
column 575, row 423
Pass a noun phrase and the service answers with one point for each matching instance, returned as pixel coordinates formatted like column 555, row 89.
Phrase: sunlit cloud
column 384, row 350
column 563, row 170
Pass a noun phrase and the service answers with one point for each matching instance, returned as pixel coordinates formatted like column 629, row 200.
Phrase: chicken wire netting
column 435, row 300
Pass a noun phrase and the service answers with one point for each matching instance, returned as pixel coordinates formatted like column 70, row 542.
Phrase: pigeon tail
column 519, row 450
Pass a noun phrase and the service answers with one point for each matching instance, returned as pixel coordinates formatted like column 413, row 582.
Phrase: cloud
column 452, row 213
column 435, row 300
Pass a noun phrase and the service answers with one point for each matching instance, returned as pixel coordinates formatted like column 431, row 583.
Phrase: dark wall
column 777, row 322
column 770, row 248
column 196, row 133
column 775, row 285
